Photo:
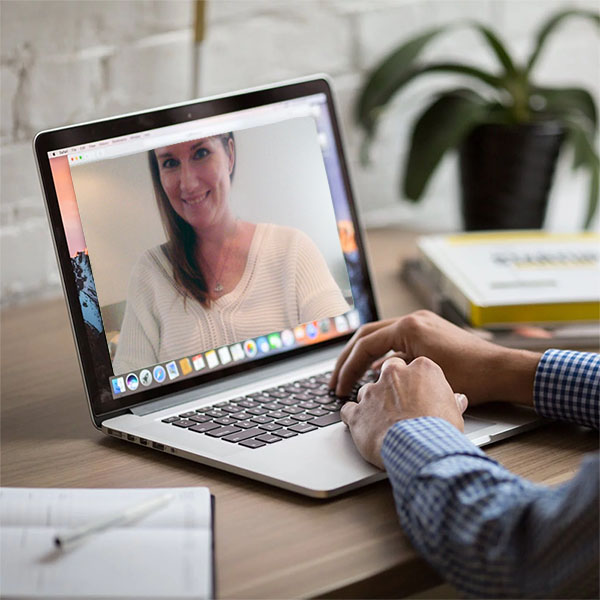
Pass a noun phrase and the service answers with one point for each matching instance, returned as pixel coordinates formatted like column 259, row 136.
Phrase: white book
column 165, row 554
column 500, row 278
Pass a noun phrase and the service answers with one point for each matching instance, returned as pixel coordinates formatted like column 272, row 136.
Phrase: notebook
column 214, row 267
column 166, row 554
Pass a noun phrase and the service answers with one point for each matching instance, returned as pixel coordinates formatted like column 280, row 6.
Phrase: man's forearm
column 487, row 531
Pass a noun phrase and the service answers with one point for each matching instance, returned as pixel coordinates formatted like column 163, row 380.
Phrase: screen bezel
column 76, row 135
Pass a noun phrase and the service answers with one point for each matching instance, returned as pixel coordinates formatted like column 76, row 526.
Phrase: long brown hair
column 180, row 248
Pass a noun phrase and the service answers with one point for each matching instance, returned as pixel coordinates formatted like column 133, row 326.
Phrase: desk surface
column 269, row 543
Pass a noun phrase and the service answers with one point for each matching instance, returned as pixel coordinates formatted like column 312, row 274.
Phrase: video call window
column 206, row 242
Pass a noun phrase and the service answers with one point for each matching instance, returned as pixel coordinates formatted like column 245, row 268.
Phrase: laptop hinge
column 211, row 389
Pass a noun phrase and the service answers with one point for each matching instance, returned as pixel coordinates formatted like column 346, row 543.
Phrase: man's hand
column 481, row 370
column 402, row 392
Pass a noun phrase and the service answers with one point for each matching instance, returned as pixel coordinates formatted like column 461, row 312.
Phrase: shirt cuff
column 567, row 387
column 412, row 444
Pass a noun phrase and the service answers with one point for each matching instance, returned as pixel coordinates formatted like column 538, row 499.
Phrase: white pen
column 129, row 515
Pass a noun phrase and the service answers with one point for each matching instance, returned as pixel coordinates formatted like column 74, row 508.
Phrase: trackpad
column 473, row 424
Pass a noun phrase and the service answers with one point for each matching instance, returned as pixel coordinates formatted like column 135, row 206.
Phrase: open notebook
column 167, row 554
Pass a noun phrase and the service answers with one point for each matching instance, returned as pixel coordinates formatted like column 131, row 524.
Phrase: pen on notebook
column 124, row 517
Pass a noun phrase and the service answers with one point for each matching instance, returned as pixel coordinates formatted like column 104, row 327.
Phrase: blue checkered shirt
column 487, row 531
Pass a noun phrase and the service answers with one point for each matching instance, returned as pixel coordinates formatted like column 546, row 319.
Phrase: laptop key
column 302, row 397
column 223, row 431
column 289, row 401
column 272, row 405
column 200, row 419
column 292, row 388
column 329, row 419
column 308, row 404
column 252, row 443
column 324, row 400
column 232, row 408
column 270, row 427
column 245, row 424
column 187, row 414
column 238, row 399
column 277, row 414
column 183, row 423
column 319, row 392
column 240, row 436
column 204, row 427
column 257, row 411
column 170, row 419
column 262, row 397
column 261, row 419
column 226, row 421
column 287, row 422
column 241, row 416
column 318, row 412
column 215, row 413
column 292, row 410
column 302, row 417
column 268, row 438
column 247, row 403
column 309, row 385
column 285, row 433
column 303, row 427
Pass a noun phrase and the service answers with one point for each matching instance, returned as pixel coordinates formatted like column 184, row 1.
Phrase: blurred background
column 68, row 61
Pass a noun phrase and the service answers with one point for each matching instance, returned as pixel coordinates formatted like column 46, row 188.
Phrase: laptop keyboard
column 271, row 415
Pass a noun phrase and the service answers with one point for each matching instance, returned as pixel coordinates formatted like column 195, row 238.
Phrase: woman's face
column 196, row 179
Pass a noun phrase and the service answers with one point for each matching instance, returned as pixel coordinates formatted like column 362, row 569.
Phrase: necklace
column 218, row 287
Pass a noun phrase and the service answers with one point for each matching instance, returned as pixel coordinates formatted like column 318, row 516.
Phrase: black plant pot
column 506, row 172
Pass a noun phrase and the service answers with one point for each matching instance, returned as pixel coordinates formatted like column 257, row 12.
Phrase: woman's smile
column 195, row 199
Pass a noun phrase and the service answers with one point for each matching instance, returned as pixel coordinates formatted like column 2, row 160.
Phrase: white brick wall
column 65, row 60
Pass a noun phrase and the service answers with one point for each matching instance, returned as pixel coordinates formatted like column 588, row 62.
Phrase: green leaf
column 441, row 127
column 498, row 47
column 388, row 77
column 549, row 26
column 370, row 121
column 492, row 80
column 585, row 156
column 567, row 102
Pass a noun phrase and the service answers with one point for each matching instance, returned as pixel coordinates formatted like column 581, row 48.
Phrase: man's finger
column 362, row 332
column 363, row 353
column 376, row 366
column 392, row 361
column 462, row 401
column 347, row 412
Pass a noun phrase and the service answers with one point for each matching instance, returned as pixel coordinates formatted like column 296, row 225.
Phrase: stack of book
column 523, row 289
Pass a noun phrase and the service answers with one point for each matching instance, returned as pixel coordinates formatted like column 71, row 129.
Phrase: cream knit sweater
column 286, row 282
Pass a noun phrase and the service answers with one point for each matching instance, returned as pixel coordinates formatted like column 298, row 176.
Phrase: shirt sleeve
column 567, row 387
column 487, row 531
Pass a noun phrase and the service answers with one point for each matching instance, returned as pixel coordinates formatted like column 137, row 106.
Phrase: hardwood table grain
column 269, row 543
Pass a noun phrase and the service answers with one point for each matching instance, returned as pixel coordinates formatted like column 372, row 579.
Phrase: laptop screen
column 208, row 246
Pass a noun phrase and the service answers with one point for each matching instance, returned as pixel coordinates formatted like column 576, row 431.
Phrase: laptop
column 236, row 381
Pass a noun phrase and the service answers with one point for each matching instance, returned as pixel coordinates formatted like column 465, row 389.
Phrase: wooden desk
column 269, row 543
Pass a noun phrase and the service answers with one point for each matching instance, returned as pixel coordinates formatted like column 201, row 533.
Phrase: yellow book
column 502, row 278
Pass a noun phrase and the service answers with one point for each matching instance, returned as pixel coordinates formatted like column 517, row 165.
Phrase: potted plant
column 507, row 128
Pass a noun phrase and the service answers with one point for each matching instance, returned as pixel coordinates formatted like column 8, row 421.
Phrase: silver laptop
column 222, row 358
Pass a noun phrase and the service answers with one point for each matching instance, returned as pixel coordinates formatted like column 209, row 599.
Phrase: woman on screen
column 217, row 280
